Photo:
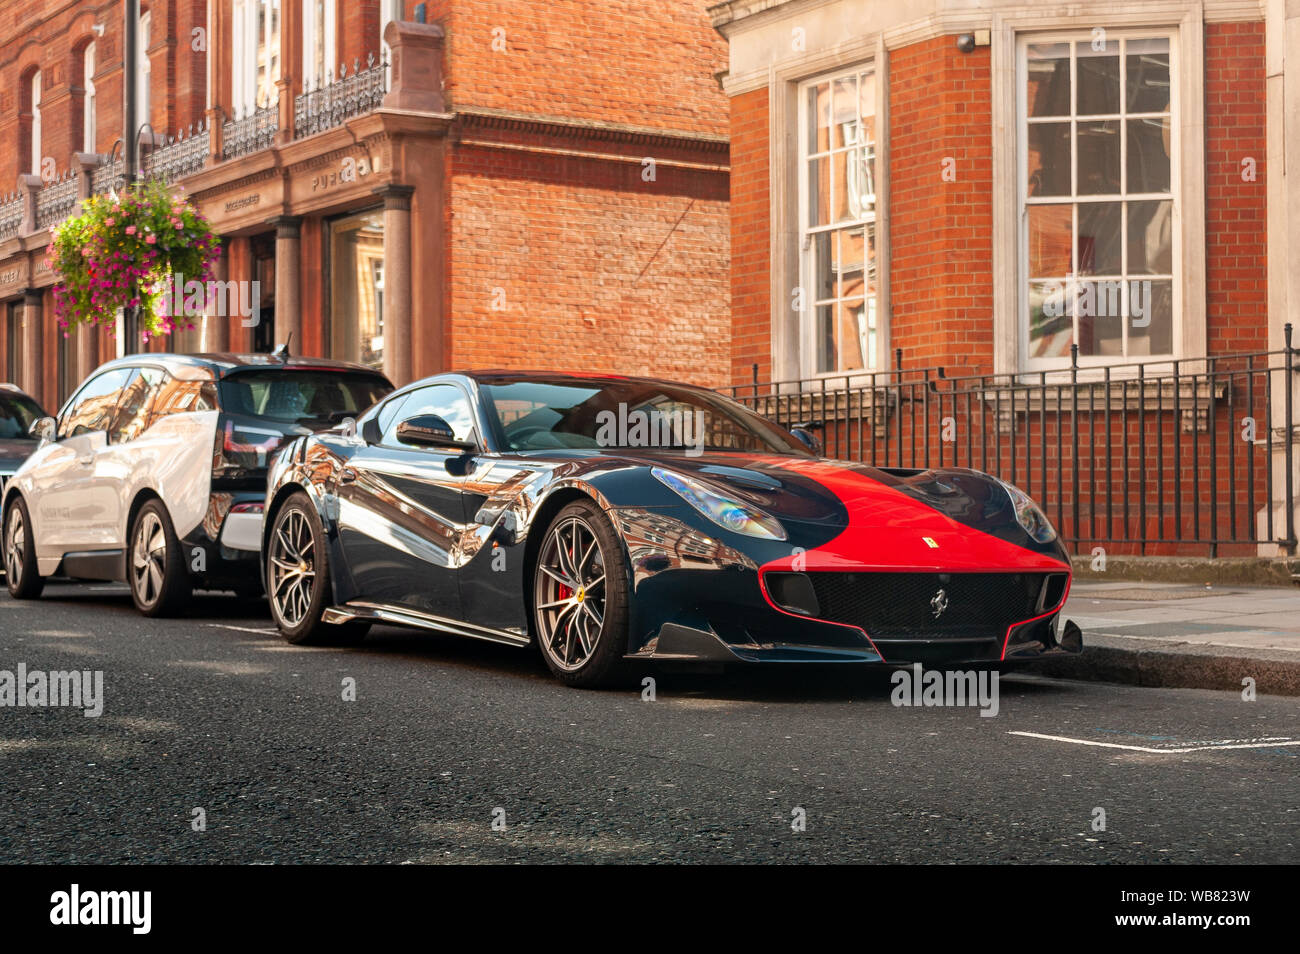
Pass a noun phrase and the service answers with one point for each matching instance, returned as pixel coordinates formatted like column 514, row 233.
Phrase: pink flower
column 151, row 240
column 130, row 230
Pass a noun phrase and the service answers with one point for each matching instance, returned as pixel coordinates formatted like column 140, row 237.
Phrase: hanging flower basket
column 126, row 251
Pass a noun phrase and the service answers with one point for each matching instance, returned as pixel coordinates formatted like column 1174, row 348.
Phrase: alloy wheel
column 569, row 593
column 149, row 558
column 293, row 567
column 15, row 545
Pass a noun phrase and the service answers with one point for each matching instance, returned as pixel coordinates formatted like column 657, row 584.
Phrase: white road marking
column 1202, row 747
column 241, row 629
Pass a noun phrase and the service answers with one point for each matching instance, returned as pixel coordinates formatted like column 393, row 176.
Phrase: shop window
column 356, row 289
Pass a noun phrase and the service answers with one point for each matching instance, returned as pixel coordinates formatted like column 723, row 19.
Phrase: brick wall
column 1236, row 210
column 578, row 264
column 751, row 263
column 638, row 62
column 941, row 232
column 31, row 36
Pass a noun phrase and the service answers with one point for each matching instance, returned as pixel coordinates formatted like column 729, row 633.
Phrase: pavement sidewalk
column 1196, row 636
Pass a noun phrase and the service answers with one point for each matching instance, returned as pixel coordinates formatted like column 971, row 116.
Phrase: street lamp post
column 131, row 143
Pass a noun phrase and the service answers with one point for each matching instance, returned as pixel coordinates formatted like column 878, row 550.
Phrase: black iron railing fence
column 1160, row 458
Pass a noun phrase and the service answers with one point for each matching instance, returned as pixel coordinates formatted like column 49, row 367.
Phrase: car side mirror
column 370, row 432
column 43, row 429
column 804, row 432
column 429, row 430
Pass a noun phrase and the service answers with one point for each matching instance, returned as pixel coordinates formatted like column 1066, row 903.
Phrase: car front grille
column 959, row 606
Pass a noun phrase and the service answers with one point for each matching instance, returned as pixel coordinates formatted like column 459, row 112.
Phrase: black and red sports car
column 612, row 519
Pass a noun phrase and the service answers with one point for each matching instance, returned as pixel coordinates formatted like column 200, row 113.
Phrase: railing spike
column 370, row 60
column 356, row 65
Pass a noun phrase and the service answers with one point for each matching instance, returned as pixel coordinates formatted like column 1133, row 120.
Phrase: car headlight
column 1029, row 515
column 726, row 512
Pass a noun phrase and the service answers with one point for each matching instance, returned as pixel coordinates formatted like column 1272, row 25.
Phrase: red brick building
column 506, row 184
column 975, row 192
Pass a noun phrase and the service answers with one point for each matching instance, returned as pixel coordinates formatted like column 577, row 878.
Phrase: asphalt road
column 446, row 734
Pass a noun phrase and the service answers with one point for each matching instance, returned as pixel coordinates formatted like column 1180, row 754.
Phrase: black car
column 155, row 471
column 18, row 412
column 614, row 519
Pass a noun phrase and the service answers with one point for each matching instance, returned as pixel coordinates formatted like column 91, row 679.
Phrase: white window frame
column 1184, row 23
column 35, row 90
column 245, row 48
column 389, row 10
column 143, row 93
column 808, row 343
column 88, row 138
column 315, row 69
column 1076, row 199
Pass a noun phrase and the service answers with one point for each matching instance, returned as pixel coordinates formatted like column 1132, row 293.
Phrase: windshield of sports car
column 294, row 396
column 17, row 414
column 538, row 414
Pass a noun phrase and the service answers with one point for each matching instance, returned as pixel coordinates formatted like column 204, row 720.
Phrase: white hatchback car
column 155, row 472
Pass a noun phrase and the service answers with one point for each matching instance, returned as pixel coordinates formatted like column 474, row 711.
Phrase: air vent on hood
column 746, row 478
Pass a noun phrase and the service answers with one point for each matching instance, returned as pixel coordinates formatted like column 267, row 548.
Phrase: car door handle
column 87, row 461
column 347, row 476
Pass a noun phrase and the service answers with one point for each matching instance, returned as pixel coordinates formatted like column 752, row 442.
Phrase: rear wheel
column 298, row 579
column 160, row 582
column 580, row 598
column 21, row 576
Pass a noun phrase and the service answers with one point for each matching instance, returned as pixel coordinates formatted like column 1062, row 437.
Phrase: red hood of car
column 892, row 530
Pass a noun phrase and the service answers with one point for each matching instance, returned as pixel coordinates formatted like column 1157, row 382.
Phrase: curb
column 1224, row 571
column 1176, row 666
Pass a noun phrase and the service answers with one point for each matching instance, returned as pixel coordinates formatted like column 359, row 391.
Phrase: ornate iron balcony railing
column 182, row 155
column 11, row 215
column 56, row 201
column 316, row 110
column 252, row 133
column 107, row 175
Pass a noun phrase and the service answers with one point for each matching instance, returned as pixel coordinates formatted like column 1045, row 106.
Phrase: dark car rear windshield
column 291, row 396
column 17, row 414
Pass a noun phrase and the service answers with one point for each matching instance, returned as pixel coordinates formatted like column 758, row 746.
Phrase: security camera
column 966, row 42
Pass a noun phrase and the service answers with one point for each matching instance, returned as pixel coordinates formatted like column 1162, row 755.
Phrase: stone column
column 34, row 347
column 397, row 282
column 216, row 326
column 288, row 300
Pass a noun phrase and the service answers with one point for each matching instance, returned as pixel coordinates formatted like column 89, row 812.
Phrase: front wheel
column 580, row 598
column 21, row 575
column 298, row 581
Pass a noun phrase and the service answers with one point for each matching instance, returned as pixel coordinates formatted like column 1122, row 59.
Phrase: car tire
column 299, row 590
column 580, row 598
column 155, row 564
column 22, row 577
